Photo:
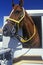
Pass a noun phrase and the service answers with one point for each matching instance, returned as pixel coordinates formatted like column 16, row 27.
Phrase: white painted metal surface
column 1, row 43
column 42, row 30
column 28, row 64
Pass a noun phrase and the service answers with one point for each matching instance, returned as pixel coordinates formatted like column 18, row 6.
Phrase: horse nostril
column 5, row 31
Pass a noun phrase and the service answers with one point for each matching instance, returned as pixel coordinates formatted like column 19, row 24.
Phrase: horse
column 20, row 19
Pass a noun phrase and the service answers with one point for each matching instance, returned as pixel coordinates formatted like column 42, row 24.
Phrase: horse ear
column 13, row 3
column 21, row 3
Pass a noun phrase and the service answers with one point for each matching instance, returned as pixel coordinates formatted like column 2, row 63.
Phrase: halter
column 21, row 38
column 16, row 20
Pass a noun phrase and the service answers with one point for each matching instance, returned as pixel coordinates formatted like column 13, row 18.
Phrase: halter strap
column 16, row 20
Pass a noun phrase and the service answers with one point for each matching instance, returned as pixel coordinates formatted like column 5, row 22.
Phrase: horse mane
column 28, row 27
column 29, row 17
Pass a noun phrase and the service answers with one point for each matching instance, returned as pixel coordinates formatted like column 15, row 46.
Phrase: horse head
column 15, row 18
column 19, row 18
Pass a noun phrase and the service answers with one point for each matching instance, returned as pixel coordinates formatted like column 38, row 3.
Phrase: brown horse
column 18, row 19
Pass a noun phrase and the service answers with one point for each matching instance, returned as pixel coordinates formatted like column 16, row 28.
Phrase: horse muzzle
column 9, row 31
column 5, row 31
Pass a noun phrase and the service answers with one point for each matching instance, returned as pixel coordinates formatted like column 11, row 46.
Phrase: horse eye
column 17, row 12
